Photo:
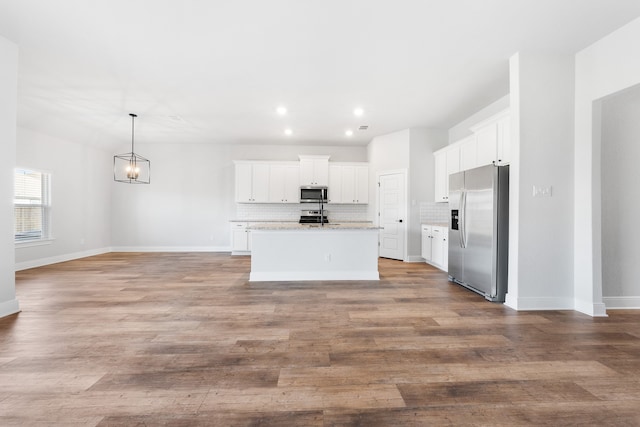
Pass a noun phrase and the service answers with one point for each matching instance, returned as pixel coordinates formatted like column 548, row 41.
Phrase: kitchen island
column 292, row 252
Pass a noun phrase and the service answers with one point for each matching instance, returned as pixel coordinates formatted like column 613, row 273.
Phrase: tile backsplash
column 434, row 213
column 291, row 212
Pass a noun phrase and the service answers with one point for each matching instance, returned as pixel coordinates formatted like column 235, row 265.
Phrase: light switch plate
column 542, row 191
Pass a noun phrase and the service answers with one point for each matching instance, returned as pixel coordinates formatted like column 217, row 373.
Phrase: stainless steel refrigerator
column 479, row 230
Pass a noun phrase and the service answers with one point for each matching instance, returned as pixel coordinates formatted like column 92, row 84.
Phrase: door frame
column 405, row 174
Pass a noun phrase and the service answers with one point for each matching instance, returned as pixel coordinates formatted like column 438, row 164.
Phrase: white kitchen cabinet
column 314, row 170
column 284, row 186
column 447, row 161
column 468, row 153
column 349, row 183
column 426, row 242
column 504, row 141
column 240, row 238
column 252, row 182
column 487, row 141
column 335, row 183
column 493, row 137
column 441, row 176
column 435, row 245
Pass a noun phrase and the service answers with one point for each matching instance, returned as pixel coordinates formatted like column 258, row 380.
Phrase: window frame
column 46, row 235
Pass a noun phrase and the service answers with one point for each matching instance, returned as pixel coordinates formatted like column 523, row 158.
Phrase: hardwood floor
column 185, row 339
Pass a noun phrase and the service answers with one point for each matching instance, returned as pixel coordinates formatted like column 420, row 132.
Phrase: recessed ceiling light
column 349, row 132
column 358, row 111
column 288, row 132
column 281, row 110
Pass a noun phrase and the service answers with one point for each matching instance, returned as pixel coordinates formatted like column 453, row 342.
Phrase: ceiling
column 215, row 71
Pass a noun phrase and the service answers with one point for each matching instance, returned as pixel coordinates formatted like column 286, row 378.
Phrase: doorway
column 392, row 214
column 620, row 207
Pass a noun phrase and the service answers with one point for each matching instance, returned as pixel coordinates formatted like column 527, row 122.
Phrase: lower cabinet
column 240, row 238
column 435, row 246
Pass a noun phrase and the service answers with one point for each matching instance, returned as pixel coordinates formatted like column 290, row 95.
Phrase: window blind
column 31, row 205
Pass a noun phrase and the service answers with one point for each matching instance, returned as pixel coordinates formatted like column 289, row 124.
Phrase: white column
column 541, row 228
column 8, row 100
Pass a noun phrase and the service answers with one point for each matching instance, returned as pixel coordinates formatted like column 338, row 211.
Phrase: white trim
column 30, row 243
column 274, row 276
column 415, row 258
column 621, row 302
column 539, row 303
column 8, row 308
column 171, row 249
column 591, row 308
column 59, row 258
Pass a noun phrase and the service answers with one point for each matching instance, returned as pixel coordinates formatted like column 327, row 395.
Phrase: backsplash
column 291, row 212
column 434, row 213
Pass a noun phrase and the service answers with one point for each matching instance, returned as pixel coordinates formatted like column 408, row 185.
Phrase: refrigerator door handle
column 463, row 229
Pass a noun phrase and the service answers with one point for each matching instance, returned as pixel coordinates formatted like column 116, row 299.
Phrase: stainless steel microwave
column 314, row 194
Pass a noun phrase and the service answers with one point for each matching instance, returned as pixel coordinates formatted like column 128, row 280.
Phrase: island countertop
column 306, row 227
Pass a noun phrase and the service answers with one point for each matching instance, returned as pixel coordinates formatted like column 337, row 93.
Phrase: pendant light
column 131, row 168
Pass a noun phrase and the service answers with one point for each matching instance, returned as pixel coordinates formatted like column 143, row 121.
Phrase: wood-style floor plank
column 183, row 339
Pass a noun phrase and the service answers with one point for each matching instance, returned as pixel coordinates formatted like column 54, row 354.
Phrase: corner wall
column 81, row 177
column 410, row 150
column 608, row 66
column 540, row 228
column 620, row 206
column 422, row 143
column 8, row 111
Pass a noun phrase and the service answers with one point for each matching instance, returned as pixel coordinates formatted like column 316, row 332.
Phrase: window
column 32, row 205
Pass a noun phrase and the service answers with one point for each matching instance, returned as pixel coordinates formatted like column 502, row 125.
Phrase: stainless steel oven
column 314, row 217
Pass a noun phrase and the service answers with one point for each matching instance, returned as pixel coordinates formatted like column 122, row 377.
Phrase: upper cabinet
column 503, row 156
column 489, row 144
column 280, row 181
column 493, row 140
column 349, row 183
column 447, row 161
column 468, row 153
column 314, row 170
column 252, row 182
column 283, row 182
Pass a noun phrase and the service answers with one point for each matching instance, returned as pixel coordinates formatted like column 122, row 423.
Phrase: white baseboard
column 171, row 249
column 621, row 302
column 294, row 276
column 591, row 308
column 59, row 258
column 414, row 258
column 9, row 307
column 538, row 304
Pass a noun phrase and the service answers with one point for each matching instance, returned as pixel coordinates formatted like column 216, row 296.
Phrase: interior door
column 392, row 211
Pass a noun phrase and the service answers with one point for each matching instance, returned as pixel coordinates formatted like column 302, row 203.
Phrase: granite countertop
column 330, row 226
column 263, row 220
column 437, row 224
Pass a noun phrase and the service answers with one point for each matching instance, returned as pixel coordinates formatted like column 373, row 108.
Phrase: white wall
column 422, row 143
column 8, row 101
column 541, row 232
column 610, row 65
column 190, row 200
column 620, row 204
column 410, row 150
column 462, row 129
column 81, row 177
